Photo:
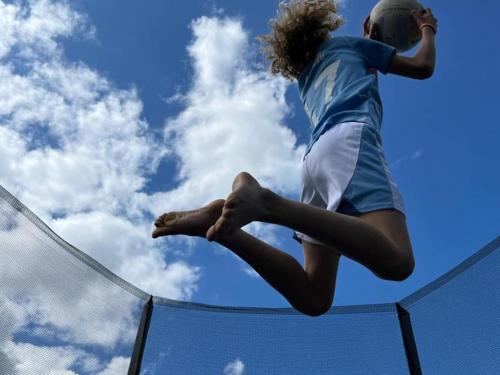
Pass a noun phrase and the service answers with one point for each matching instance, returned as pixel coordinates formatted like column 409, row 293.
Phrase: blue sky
column 113, row 112
column 440, row 137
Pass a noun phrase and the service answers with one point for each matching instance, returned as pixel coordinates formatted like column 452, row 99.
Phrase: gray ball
column 397, row 26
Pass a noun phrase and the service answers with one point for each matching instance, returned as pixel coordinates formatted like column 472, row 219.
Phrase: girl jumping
column 350, row 205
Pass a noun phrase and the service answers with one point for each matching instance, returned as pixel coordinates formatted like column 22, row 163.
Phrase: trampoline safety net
column 63, row 313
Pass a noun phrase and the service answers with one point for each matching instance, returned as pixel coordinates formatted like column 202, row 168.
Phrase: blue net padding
column 456, row 319
column 193, row 339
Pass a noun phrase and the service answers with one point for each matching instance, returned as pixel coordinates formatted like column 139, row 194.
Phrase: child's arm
column 420, row 66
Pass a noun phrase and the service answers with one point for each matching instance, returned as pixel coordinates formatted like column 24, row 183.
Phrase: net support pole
column 409, row 341
column 140, row 341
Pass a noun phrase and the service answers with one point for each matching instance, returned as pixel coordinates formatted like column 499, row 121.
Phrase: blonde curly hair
column 301, row 26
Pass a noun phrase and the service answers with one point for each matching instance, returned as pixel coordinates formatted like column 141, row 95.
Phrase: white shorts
column 346, row 171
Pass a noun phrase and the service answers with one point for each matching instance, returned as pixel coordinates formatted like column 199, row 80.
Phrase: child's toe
column 160, row 220
column 221, row 225
column 227, row 214
column 211, row 234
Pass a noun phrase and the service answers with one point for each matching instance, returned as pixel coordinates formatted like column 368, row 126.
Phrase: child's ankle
column 270, row 204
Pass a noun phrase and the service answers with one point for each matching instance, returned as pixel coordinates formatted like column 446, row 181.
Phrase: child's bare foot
column 190, row 223
column 248, row 202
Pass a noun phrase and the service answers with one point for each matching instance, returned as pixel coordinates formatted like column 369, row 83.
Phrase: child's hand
column 371, row 30
column 426, row 18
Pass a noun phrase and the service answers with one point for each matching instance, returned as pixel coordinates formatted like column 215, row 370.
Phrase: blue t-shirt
column 340, row 84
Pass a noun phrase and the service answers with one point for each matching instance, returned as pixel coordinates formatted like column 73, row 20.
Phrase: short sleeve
column 377, row 55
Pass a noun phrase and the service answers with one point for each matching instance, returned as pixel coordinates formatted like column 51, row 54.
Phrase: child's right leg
column 310, row 291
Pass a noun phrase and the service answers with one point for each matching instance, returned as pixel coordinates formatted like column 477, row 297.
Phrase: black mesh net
column 62, row 313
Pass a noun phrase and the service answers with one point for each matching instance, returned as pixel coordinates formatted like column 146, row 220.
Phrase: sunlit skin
column 378, row 240
column 191, row 223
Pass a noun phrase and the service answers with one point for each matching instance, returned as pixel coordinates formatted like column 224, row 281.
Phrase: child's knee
column 315, row 306
column 401, row 271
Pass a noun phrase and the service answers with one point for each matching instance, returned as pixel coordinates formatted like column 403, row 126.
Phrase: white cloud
column 234, row 368
column 95, row 155
column 233, row 120
column 121, row 244
column 34, row 29
column 33, row 359
column 49, row 289
column 24, row 358
column 251, row 272
column 8, row 325
column 416, row 155
column 118, row 366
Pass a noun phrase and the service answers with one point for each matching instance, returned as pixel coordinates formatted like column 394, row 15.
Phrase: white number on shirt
column 330, row 75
